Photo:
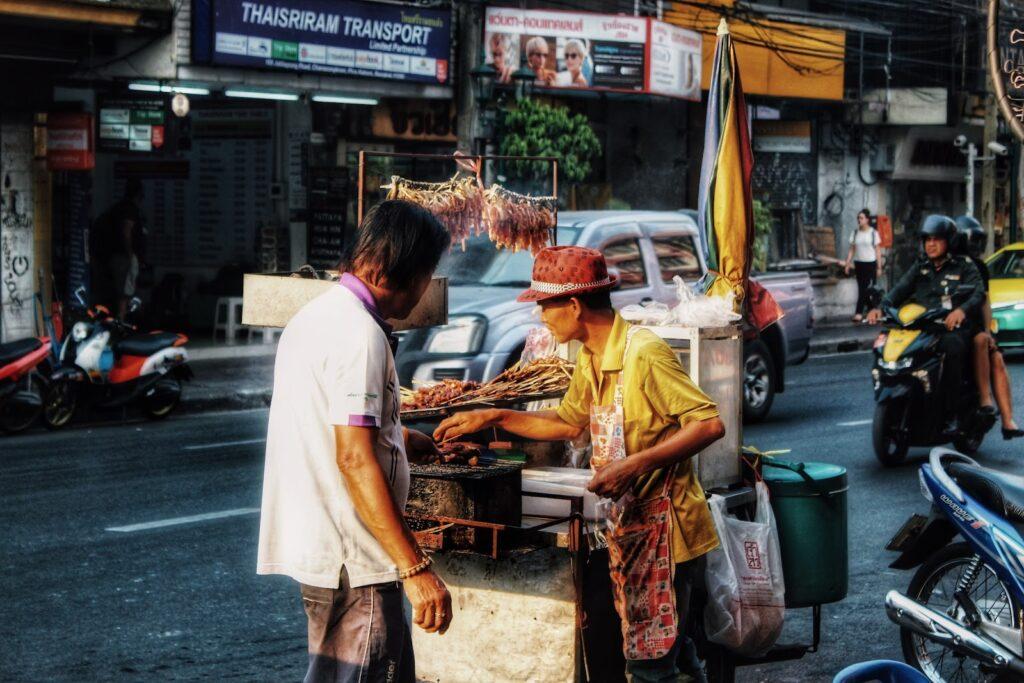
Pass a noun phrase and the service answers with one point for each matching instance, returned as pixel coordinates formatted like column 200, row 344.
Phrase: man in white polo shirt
column 336, row 477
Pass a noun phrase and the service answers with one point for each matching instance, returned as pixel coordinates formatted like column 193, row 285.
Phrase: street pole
column 988, row 171
column 972, row 155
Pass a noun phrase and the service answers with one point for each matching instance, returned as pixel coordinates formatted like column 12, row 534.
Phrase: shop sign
column 594, row 51
column 131, row 125
column 786, row 137
column 69, row 142
column 428, row 120
column 350, row 38
column 675, row 61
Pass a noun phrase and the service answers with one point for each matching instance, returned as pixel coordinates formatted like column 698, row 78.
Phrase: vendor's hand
column 431, row 602
column 874, row 315
column 613, row 480
column 419, row 446
column 955, row 319
column 461, row 424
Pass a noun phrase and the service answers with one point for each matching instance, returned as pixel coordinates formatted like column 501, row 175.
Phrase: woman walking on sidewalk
column 865, row 256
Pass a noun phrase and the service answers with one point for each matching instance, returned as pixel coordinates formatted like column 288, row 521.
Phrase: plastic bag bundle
column 699, row 310
column 650, row 313
column 746, row 593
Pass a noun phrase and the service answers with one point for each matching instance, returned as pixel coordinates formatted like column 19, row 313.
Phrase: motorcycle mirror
column 135, row 304
column 80, row 294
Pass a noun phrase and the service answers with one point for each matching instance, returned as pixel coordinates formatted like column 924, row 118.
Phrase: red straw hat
column 563, row 272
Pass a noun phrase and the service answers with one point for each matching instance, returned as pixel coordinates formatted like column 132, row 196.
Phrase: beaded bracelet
column 415, row 569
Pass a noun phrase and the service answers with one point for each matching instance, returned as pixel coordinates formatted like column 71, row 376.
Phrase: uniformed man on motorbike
column 941, row 280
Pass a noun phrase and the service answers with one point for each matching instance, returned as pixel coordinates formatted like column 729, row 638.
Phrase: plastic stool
column 268, row 335
column 227, row 317
column 882, row 670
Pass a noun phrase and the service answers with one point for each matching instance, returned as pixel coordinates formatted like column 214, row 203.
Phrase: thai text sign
column 593, row 51
column 327, row 36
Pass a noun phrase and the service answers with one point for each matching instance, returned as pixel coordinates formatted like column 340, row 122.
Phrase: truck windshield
column 482, row 265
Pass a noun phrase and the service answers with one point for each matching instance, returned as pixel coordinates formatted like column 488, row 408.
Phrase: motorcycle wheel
column 157, row 408
column 968, row 444
column 934, row 584
column 59, row 403
column 890, row 448
column 14, row 421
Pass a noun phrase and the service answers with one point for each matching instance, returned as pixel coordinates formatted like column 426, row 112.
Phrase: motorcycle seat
column 1002, row 492
column 12, row 351
column 145, row 344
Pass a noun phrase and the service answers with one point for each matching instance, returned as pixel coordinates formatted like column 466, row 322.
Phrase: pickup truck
column 487, row 328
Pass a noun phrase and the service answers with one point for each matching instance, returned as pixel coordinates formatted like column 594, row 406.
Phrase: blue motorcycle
column 961, row 619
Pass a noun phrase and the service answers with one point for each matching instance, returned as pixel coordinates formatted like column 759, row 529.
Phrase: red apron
column 639, row 545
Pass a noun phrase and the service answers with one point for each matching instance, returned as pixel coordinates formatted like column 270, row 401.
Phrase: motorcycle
column 23, row 382
column 907, row 376
column 107, row 363
column 961, row 619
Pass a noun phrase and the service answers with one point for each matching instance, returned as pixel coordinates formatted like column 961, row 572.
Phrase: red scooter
column 106, row 363
column 23, row 382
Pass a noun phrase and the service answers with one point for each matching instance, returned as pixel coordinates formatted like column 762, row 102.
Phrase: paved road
column 107, row 574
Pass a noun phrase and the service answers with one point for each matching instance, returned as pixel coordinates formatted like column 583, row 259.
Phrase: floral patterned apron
column 639, row 544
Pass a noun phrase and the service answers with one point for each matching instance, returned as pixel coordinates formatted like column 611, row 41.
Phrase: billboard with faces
column 593, row 51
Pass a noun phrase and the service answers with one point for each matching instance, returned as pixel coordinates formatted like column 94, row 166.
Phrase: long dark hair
column 867, row 215
column 398, row 243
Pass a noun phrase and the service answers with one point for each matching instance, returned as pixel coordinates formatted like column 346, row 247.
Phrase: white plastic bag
column 746, row 594
column 650, row 313
column 699, row 310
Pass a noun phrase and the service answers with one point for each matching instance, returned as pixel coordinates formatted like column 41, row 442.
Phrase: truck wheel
column 890, row 446
column 758, row 381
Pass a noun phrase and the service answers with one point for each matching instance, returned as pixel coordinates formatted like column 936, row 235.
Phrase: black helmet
column 972, row 238
column 937, row 225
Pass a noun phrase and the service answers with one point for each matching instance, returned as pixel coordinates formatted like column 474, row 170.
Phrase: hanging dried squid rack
column 459, row 198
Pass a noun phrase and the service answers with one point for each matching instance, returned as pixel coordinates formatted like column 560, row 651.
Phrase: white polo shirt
column 334, row 366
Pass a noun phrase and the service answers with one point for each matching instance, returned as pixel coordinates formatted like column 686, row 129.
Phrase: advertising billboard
column 349, row 38
column 593, row 51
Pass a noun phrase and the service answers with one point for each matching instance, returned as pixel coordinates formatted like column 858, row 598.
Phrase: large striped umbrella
column 724, row 203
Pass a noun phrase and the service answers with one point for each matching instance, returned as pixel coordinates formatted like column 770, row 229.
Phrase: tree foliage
column 537, row 129
column 763, row 222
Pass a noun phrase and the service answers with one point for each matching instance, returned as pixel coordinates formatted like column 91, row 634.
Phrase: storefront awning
column 776, row 58
column 126, row 15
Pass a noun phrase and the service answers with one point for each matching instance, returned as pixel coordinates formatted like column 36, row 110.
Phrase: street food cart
column 511, row 529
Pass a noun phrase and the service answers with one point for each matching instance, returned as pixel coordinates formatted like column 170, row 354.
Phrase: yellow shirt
column 658, row 397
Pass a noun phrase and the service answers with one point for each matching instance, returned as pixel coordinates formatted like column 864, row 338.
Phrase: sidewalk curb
column 830, row 346
column 245, row 399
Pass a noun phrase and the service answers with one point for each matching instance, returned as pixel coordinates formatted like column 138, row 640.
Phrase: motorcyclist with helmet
column 932, row 282
column 989, row 366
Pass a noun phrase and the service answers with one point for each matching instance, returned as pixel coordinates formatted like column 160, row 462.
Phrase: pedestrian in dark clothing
column 942, row 280
column 864, row 257
column 117, row 245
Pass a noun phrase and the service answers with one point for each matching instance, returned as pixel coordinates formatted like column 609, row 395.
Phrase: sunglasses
column 534, row 53
column 572, row 55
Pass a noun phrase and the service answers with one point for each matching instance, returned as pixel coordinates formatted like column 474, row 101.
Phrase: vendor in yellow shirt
column 647, row 419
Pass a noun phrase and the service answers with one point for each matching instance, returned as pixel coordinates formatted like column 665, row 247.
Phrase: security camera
column 998, row 148
column 960, row 140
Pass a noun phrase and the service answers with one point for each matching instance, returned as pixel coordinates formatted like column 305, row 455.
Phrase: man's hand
column 614, row 479
column 419, row 446
column 955, row 319
column 461, row 424
column 992, row 346
column 874, row 315
column 431, row 602
column 847, row 267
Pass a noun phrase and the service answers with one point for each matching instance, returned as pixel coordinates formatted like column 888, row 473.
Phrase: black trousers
column 866, row 274
column 955, row 346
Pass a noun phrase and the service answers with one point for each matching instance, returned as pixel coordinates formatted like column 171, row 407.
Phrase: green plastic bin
column 809, row 502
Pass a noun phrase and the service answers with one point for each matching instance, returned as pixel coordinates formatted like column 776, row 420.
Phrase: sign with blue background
column 326, row 37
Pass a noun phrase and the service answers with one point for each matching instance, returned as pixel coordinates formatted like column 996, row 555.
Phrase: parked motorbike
column 907, row 375
column 107, row 363
column 23, row 369
column 960, row 619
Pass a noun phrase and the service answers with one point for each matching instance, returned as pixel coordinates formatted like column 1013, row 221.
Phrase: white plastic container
column 563, row 481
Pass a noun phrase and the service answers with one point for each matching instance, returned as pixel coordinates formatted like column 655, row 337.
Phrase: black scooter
column 907, row 377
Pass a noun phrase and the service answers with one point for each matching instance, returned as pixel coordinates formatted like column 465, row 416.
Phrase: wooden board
column 270, row 300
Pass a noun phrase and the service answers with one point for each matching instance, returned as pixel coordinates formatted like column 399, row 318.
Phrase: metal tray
column 428, row 413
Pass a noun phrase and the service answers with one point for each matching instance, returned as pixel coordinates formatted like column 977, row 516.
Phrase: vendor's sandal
column 857, row 318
